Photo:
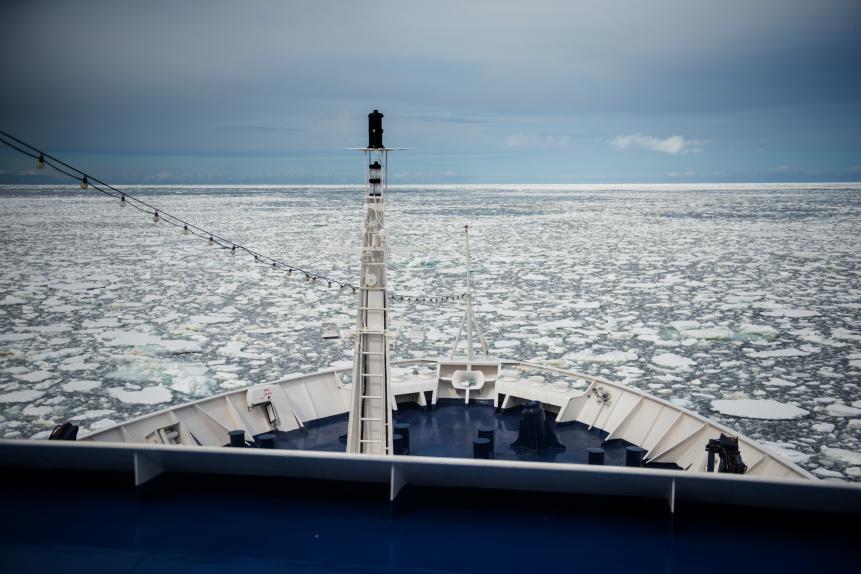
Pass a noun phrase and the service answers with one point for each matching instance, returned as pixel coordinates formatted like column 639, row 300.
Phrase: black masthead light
column 375, row 130
column 375, row 170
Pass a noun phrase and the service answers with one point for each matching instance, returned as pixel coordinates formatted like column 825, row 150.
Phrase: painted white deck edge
column 784, row 466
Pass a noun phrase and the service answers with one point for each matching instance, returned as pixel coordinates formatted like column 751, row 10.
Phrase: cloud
column 673, row 145
column 687, row 173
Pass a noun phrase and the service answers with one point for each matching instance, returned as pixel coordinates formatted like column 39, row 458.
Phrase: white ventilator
column 468, row 319
column 369, row 430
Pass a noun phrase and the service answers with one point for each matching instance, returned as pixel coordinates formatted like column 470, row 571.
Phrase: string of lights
column 88, row 181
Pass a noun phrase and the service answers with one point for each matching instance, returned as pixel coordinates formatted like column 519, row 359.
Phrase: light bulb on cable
column 211, row 242
column 155, row 217
column 85, row 183
column 122, row 201
column 185, row 230
column 40, row 163
column 233, row 250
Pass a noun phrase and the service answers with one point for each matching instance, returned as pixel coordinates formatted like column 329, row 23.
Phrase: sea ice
column 82, row 386
column 146, row 396
column 841, row 454
column 786, row 450
column 34, row 411
column 672, row 361
column 94, row 414
column 715, row 333
column 766, row 409
column 609, row 357
column 102, row 424
column 841, row 410
column 13, row 337
column 778, row 382
column 236, row 349
column 24, row 396
column 211, row 319
column 35, row 377
column 12, row 300
column 681, row 402
column 825, row 473
column 137, row 339
column 789, row 352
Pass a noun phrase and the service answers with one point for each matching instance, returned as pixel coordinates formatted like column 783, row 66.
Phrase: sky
column 209, row 92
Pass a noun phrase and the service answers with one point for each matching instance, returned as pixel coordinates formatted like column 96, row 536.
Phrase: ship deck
column 449, row 429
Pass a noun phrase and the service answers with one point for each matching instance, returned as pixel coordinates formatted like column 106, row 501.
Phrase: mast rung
column 373, row 353
column 370, row 419
column 367, row 440
column 372, row 397
column 371, row 375
column 374, row 308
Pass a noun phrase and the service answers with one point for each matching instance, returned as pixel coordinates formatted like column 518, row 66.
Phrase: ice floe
column 137, row 339
column 841, row 454
column 672, row 361
column 34, row 411
column 841, row 410
column 787, row 451
column 23, row 396
column 788, row 352
column 608, row 357
column 80, row 386
column 146, row 396
column 12, row 300
column 758, row 409
column 35, row 376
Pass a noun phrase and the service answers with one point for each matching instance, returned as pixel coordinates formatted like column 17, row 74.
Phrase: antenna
column 468, row 318
column 369, row 430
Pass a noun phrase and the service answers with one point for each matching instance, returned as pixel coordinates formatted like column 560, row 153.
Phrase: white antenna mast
column 468, row 318
column 369, row 430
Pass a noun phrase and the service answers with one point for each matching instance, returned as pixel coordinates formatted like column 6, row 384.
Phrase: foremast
column 469, row 320
column 370, row 424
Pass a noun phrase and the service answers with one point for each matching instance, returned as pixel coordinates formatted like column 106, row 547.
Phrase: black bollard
column 596, row 455
column 399, row 445
column 237, row 438
column 634, row 456
column 266, row 441
column 482, row 448
column 488, row 432
column 403, row 429
column 535, row 431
